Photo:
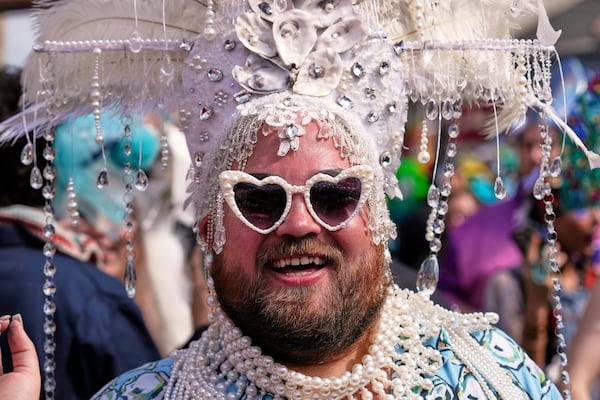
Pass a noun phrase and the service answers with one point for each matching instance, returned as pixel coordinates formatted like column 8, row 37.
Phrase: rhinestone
column 206, row 112
column 215, row 75
column 373, row 117
column 291, row 131
column 265, row 8
column 384, row 68
column 344, row 102
column 385, row 159
column 198, row 158
column 399, row 47
column 185, row 46
column 229, row 44
column 358, row 71
column 392, row 108
column 242, row 97
column 370, row 93
column 316, row 71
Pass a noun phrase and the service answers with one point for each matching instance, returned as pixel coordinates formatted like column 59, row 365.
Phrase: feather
column 593, row 158
column 68, row 74
column 545, row 32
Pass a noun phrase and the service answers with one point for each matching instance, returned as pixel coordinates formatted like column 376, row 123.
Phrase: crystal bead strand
column 128, row 180
column 164, row 150
column 499, row 188
column 543, row 191
column 49, row 269
column 428, row 275
column 96, row 96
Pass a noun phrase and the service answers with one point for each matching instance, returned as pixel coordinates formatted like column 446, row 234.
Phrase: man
column 294, row 115
column 311, row 298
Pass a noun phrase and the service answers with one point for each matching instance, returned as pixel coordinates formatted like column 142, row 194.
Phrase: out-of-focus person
column 584, row 352
column 98, row 331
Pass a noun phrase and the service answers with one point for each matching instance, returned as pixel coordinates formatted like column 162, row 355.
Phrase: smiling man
column 303, row 304
column 294, row 114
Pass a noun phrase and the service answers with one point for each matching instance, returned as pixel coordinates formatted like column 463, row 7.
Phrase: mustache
column 293, row 247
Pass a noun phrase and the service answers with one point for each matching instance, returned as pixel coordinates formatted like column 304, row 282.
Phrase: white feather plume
column 121, row 74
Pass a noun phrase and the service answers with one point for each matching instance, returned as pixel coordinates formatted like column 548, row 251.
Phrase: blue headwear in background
column 579, row 186
column 81, row 158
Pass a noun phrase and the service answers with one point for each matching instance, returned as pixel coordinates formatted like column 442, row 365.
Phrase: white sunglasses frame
column 228, row 179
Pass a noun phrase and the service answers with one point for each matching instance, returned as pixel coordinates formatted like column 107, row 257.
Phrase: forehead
column 314, row 153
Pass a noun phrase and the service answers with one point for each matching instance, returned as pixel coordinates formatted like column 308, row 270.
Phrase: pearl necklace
column 223, row 364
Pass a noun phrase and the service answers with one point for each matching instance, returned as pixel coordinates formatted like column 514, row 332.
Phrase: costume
column 444, row 374
column 341, row 72
column 100, row 332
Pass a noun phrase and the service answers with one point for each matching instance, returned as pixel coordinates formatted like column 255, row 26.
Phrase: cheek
column 241, row 245
column 355, row 238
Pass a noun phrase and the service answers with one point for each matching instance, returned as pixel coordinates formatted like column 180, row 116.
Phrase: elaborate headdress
column 227, row 67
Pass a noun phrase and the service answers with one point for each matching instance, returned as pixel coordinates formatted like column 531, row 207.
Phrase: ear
column 203, row 226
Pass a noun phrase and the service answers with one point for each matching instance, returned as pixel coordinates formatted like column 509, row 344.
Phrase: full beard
column 307, row 324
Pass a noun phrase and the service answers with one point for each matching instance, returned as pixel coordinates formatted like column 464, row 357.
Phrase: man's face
column 303, row 293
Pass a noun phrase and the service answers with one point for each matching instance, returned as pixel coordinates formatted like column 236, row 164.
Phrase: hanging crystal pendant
column 433, row 196
column 141, row 180
column 27, row 154
column 102, row 179
column 431, row 110
column 130, row 278
column 428, row 276
column 499, row 188
column 35, row 179
column 556, row 167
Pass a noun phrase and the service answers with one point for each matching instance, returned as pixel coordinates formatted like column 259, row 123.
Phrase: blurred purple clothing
column 478, row 248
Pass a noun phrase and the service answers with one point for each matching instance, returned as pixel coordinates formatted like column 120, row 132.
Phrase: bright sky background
column 17, row 37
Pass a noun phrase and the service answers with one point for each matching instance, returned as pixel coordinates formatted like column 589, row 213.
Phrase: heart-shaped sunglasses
column 263, row 204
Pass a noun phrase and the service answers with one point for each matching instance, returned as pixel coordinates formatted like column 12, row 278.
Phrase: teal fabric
column 81, row 158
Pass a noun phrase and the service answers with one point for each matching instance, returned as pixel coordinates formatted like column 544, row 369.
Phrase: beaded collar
column 223, row 364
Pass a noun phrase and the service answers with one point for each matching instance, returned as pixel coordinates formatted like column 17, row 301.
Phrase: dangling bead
column 141, row 180
column 130, row 277
column 428, row 275
column 35, row 179
column 27, row 154
column 433, row 196
column 499, row 188
column 102, row 178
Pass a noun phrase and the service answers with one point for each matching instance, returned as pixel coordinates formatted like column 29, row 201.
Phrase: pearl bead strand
column 223, row 364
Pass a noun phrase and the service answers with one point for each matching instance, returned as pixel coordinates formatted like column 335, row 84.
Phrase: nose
column 299, row 222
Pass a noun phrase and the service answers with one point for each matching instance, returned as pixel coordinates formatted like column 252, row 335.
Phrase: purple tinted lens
column 262, row 206
column 335, row 202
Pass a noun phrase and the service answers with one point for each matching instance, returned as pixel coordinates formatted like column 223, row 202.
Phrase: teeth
column 298, row 261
